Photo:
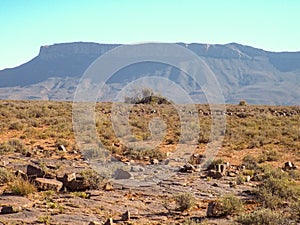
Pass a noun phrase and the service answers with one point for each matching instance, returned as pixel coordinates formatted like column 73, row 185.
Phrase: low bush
column 92, row 178
column 230, row 204
column 184, row 201
column 5, row 176
column 270, row 155
column 263, row 217
column 250, row 162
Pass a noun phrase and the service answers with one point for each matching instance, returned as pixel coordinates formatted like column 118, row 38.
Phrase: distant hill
column 244, row 72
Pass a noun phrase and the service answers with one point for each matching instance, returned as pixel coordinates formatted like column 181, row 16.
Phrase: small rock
column 126, row 216
column 10, row 209
column 62, row 148
column 231, row 174
column 121, row 174
column 70, row 177
column 215, row 185
column 137, row 169
column 20, row 173
column 45, row 184
column 154, row 161
column 187, row 168
column 248, row 178
column 108, row 187
column 109, row 222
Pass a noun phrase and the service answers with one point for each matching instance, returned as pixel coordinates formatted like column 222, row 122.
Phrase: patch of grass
column 137, row 153
column 44, row 219
column 21, row 187
column 81, row 194
column 47, row 195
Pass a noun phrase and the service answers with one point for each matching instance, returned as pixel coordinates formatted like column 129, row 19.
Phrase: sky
column 25, row 25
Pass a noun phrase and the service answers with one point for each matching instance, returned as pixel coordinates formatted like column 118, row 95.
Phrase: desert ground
column 46, row 177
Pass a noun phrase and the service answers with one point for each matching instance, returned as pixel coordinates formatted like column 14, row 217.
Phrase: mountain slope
column 244, row 72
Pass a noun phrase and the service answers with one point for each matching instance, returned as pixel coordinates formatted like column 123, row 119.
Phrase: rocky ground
column 64, row 195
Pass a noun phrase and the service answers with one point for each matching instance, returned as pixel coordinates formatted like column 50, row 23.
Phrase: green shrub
column 184, row 201
column 91, row 178
column 270, row 155
column 5, row 176
column 215, row 162
column 6, row 148
column 250, row 162
column 18, row 145
column 81, row 194
column 277, row 188
column 230, row 204
column 242, row 103
column 240, row 179
column 16, row 126
column 263, row 217
column 295, row 208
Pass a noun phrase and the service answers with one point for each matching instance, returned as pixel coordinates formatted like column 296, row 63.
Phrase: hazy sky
column 25, row 25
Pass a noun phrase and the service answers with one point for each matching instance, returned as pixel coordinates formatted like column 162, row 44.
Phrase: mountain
column 243, row 72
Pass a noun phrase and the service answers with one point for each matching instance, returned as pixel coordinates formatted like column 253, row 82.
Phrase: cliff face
column 58, row 60
column 244, row 72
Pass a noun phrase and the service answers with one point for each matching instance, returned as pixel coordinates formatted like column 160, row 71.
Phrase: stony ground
column 148, row 203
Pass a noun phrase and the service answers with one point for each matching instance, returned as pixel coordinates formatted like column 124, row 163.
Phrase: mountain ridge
column 244, row 72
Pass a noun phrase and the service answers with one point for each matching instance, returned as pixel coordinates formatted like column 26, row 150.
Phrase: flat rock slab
column 45, row 184
column 11, row 200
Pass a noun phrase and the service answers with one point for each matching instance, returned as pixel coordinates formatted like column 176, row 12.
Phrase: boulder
column 110, row 221
column 154, row 161
column 45, row 184
column 10, row 209
column 222, row 168
column 214, row 174
column 122, row 174
column 187, row 168
column 289, row 166
column 73, row 182
column 34, row 171
column 126, row 216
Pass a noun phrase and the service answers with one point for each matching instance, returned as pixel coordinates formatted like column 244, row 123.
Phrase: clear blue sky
column 27, row 24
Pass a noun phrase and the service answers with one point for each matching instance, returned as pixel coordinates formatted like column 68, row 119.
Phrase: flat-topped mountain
column 243, row 72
